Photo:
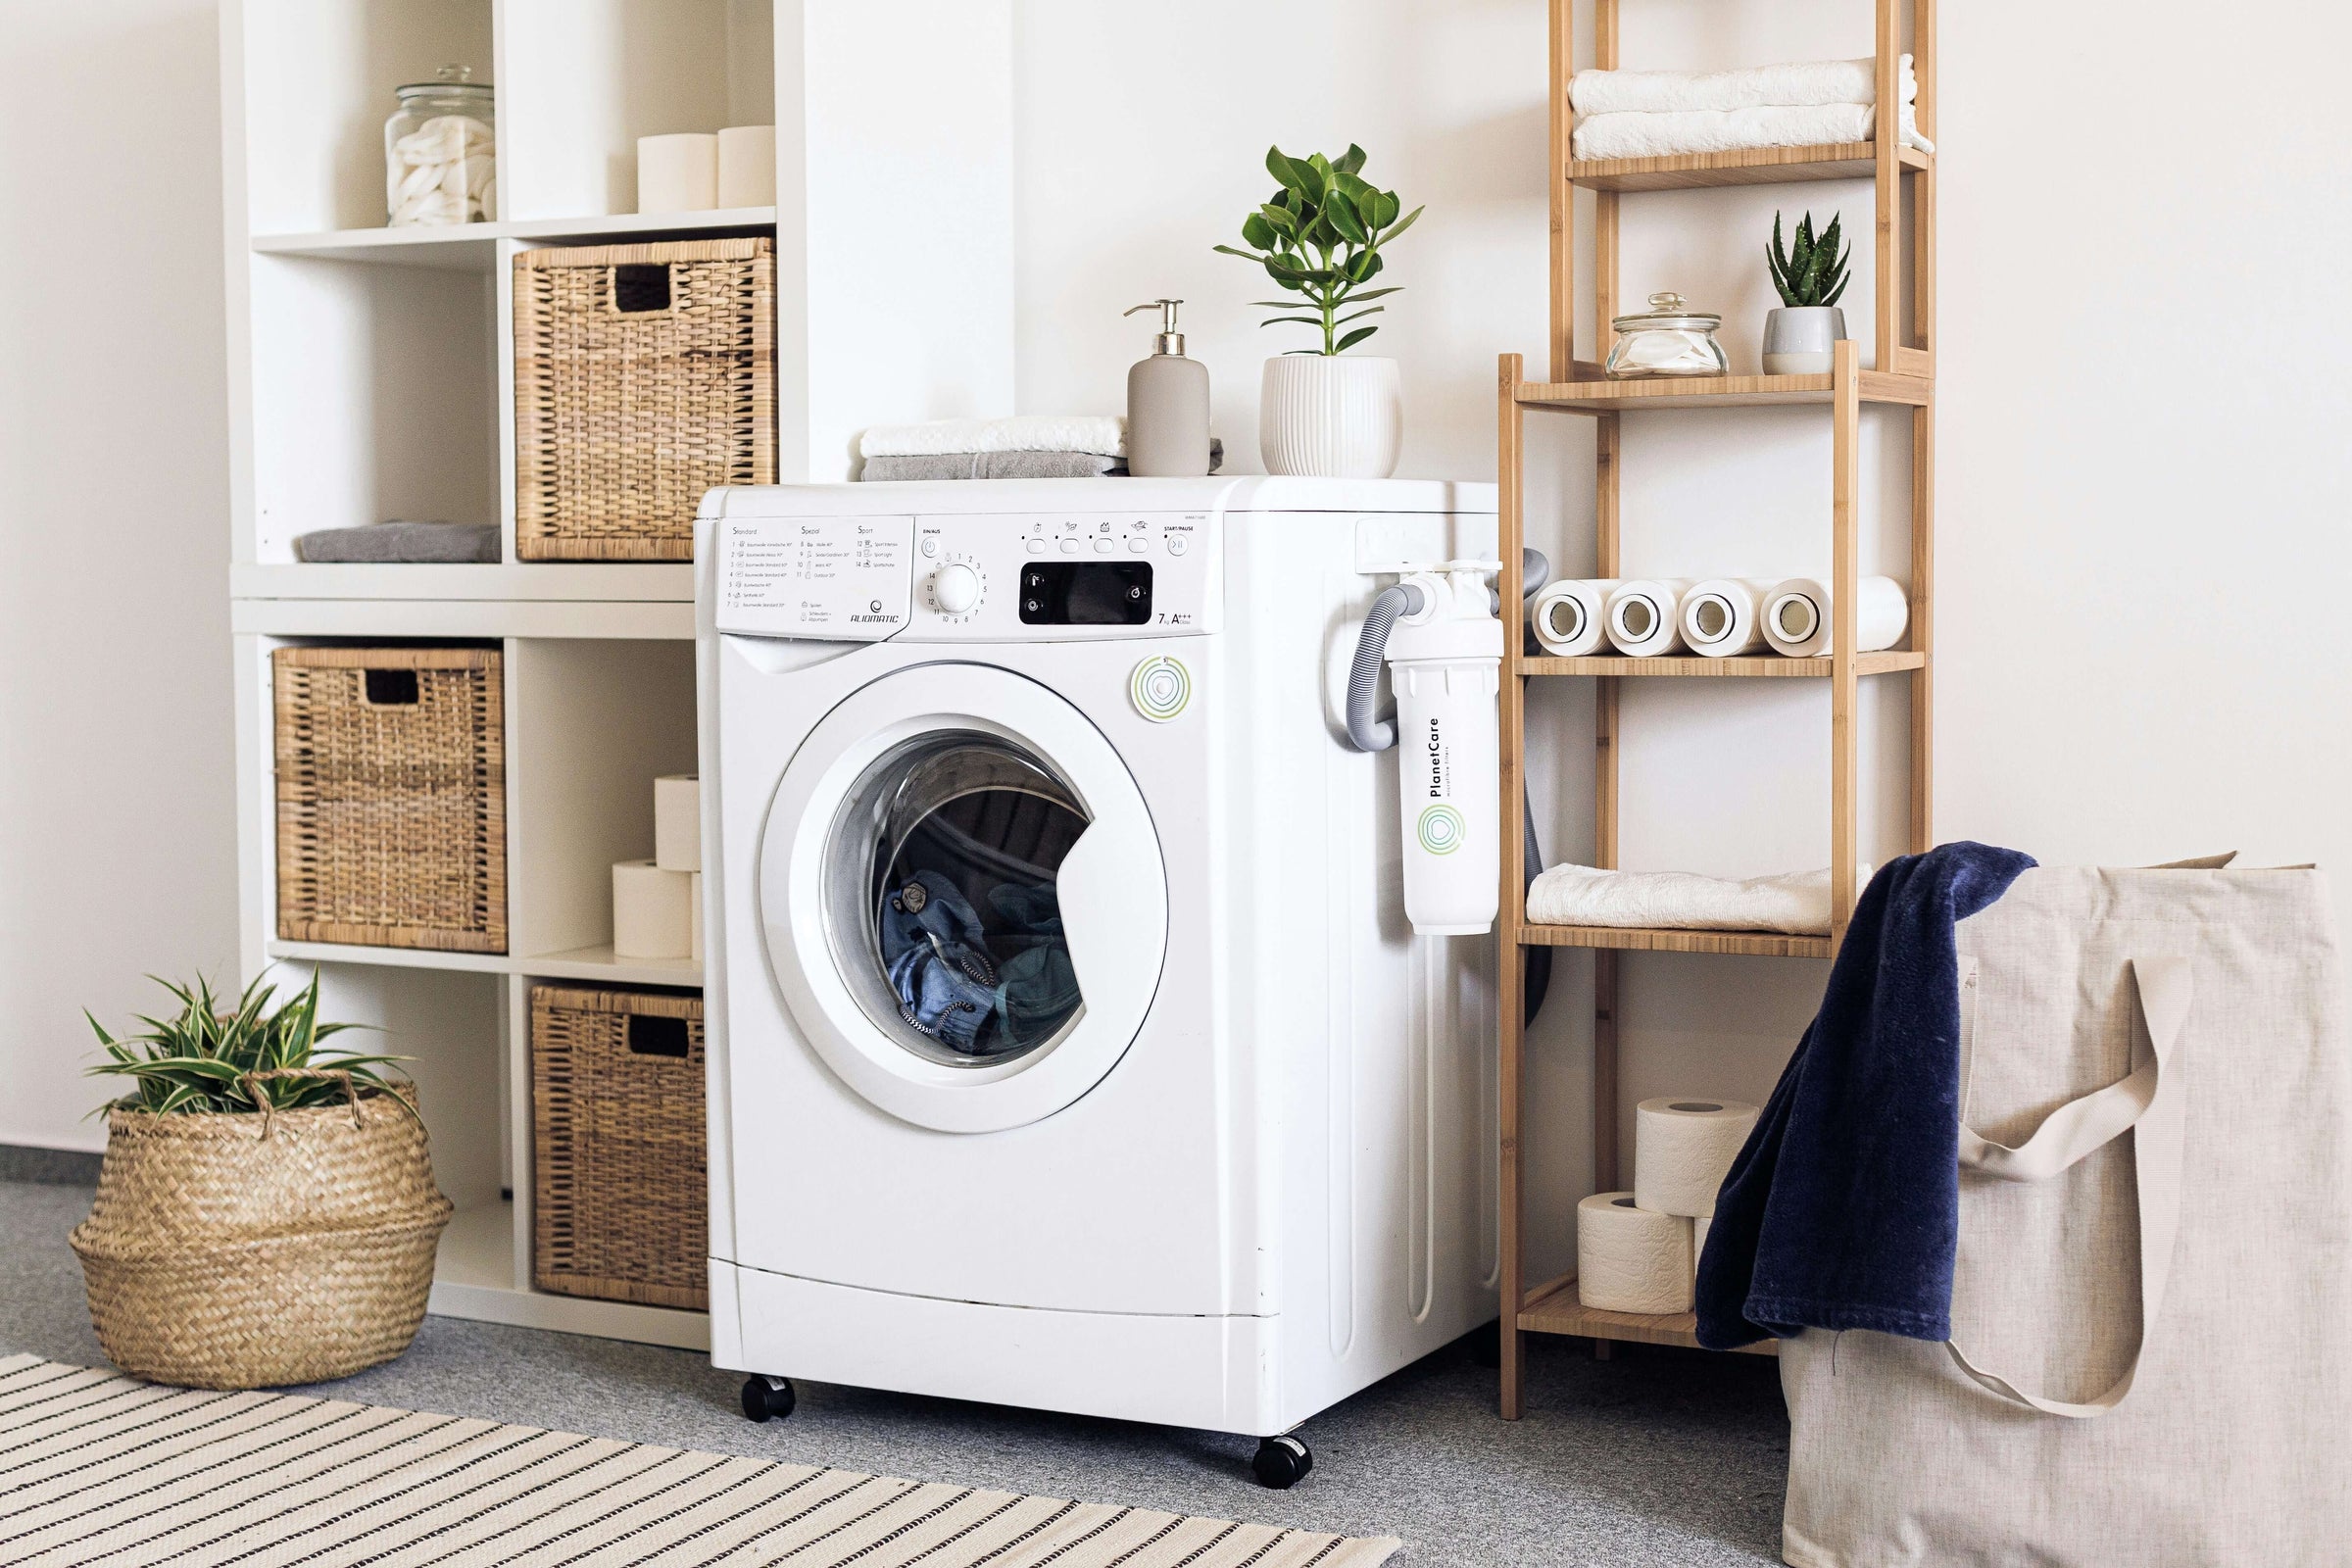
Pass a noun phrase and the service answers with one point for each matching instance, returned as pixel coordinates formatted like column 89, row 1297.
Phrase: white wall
column 2141, row 398
column 116, row 848
column 2143, row 448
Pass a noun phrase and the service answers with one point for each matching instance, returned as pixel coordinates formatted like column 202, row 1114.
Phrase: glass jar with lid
column 441, row 151
column 1667, row 339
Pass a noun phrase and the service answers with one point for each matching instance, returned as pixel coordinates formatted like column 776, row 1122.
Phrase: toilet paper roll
column 1628, row 1260
column 1570, row 618
column 653, row 912
column 678, row 822
column 677, row 173
column 1797, row 618
column 1724, row 616
column 1643, row 618
column 1683, row 1147
column 1698, row 1240
column 694, row 916
column 747, row 166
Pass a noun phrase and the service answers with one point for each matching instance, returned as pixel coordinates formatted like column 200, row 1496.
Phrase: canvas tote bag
column 2152, row 1352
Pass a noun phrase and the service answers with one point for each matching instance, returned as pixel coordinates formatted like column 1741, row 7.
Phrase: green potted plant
column 265, row 1213
column 1322, row 411
column 1800, row 339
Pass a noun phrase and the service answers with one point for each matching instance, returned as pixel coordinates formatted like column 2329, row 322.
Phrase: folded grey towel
column 398, row 541
column 1009, row 466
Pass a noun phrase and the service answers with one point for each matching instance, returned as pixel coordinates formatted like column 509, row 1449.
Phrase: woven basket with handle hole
column 256, row 1250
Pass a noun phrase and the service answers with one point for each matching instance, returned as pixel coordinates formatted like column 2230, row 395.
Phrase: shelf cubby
column 373, row 395
column 311, row 81
column 595, row 722
column 585, row 79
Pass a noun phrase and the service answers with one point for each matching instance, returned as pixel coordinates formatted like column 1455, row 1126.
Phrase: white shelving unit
column 371, row 377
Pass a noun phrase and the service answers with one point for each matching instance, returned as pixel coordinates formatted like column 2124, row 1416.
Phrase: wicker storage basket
column 392, row 796
column 621, row 1206
column 246, row 1251
column 644, row 376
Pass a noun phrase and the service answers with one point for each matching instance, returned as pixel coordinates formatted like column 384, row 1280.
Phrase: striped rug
column 96, row 1468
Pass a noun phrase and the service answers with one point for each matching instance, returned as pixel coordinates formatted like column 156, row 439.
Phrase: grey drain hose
column 1370, row 734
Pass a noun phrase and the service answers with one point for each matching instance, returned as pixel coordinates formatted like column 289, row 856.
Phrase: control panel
column 969, row 577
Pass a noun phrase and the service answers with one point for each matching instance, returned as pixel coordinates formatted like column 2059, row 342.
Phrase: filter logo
column 1161, row 688
column 1442, row 829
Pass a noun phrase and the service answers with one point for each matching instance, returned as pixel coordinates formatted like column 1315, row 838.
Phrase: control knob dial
column 955, row 588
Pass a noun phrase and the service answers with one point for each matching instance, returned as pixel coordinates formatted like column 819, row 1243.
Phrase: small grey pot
column 1801, row 340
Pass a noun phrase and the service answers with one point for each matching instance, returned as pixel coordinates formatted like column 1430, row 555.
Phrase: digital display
column 1085, row 593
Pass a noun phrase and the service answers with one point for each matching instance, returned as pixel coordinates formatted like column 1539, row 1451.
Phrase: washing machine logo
column 1161, row 688
column 1440, row 829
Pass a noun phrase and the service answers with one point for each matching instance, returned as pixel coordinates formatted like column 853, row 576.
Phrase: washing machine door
column 963, row 898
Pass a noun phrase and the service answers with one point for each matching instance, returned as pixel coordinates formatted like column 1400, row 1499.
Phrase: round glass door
column 942, row 909
column 964, row 899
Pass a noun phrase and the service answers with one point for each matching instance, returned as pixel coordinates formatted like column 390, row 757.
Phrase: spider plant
column 211, row 1057
column 1319, row 235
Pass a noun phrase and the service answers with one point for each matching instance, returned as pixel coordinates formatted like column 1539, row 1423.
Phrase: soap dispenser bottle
column 1168, row 406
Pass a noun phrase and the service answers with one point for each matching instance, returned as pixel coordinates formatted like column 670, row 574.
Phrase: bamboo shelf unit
column 1904, row 245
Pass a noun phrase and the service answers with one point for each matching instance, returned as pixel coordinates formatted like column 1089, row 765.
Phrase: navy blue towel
column 1842, row 1210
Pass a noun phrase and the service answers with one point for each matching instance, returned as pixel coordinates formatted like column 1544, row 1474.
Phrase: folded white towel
column 1796, row 904
column 1792, row 84
column 1717, row 130
column 1103, row 434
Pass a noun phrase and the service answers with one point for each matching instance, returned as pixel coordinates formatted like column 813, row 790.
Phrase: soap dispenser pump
column 1167, row 405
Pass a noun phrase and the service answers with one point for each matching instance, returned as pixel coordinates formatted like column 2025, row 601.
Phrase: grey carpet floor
column 1660, row 1458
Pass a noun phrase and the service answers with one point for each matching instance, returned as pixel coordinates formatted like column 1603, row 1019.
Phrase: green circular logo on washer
column 1161, row 688
column 1442, row 829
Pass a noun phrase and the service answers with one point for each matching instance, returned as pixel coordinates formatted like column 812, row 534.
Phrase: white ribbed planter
column 1336, row 416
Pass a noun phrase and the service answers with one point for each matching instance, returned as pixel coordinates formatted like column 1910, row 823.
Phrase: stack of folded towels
column 1664, row 113
column 1029, row 446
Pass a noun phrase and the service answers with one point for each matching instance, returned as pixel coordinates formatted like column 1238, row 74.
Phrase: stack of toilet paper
column 696, row 171
column 657, row 904
column 1639, row 1252
column 1715, row 617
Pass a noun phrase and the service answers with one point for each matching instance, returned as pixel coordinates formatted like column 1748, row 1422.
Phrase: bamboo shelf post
column 1901, row 376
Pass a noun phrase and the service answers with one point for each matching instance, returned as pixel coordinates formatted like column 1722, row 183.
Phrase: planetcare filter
column 1570, row 619
column 1630, row 1259
column 1798, row 619
column 1445, row 666
column 1723, row 617
column 1684, row 1148
column 1645, row 616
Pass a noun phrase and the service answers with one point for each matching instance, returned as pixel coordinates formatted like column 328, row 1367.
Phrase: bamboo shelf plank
column 1718, row 392
column 1749, row 165
column 1555, row 1308
column 1753, row 666
column 1659, row 939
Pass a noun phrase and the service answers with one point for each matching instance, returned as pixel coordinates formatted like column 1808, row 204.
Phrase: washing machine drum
column 963, row 898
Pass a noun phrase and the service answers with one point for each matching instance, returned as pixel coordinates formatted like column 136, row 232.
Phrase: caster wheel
column 1281, row 1462
column 767, row 1399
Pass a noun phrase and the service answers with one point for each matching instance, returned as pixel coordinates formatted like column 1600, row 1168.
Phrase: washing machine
column 1068, row 1046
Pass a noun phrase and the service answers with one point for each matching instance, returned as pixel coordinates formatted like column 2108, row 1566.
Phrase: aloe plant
column 1320, row 235
column 1814, row 273
column 210, row 1058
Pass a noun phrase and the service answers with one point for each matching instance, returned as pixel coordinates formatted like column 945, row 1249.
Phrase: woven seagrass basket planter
column 225, row 1253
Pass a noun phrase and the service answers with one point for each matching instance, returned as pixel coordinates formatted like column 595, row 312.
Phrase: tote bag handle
column 2148, row 1104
